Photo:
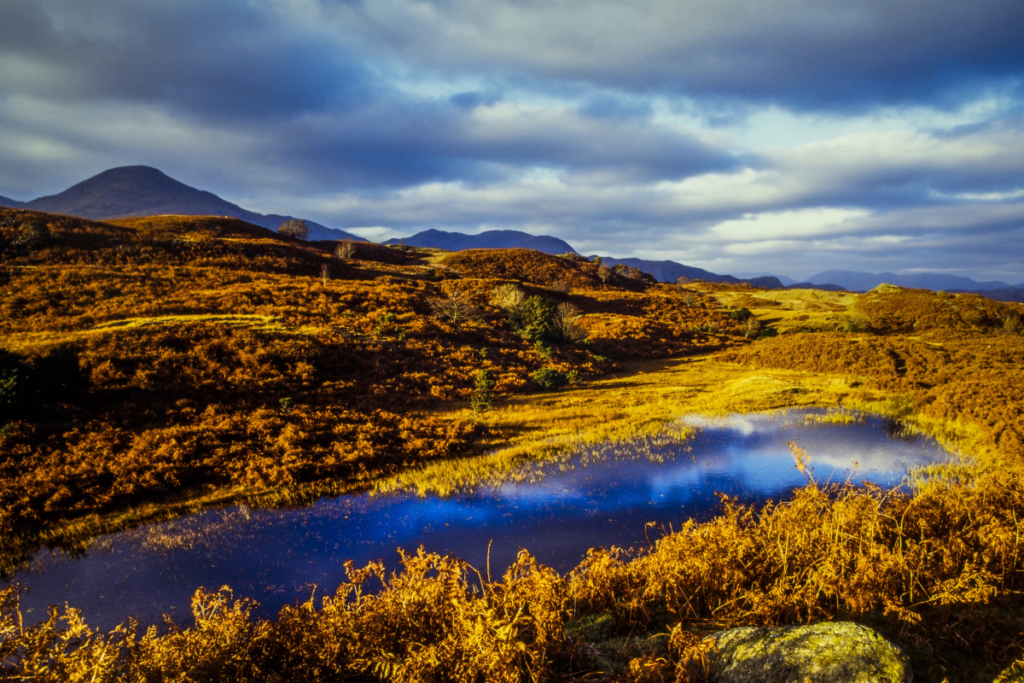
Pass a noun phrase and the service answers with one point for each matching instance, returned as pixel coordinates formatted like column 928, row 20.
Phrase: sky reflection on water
column 275, row 556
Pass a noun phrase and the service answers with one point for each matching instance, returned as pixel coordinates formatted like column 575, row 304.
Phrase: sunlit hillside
column 150, row 367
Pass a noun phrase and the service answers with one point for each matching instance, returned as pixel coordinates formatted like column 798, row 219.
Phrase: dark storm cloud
column 225, row 60
column 803, row 54
column 608, row 123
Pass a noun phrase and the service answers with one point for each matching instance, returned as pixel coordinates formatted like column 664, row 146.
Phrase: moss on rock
column 830, row 652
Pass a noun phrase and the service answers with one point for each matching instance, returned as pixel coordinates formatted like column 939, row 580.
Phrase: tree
column 482, row 400
column 604, row 272
column 345, row 250
column 295, row 227
column 457, row 308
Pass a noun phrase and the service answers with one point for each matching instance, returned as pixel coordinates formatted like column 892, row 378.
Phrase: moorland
column 153, row 366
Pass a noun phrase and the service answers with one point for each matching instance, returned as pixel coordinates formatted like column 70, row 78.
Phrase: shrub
column 573, row 256
column 507, row 296
column 37, row 236
column 752, row 328
column 482, row 400
column 546, row 378
column 456, row 308
column 561, row 286
column 294, row 227
column 740, row 314
column 345, row 250
column 565, row 326
column 12, row 372
column 532, row 318
column 573, row 377
column 689, row 299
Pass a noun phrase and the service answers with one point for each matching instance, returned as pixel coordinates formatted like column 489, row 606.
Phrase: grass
column 641, row 408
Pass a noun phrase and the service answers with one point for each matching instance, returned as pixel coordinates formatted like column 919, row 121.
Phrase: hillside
column 489, row 239
column 154, row 366
column 143, row 191
column 261, row 361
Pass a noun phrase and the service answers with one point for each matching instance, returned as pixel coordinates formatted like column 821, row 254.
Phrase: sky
column 741, row 136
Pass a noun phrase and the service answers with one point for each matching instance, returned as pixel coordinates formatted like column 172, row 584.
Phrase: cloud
column 728, row 134
column 804, row 54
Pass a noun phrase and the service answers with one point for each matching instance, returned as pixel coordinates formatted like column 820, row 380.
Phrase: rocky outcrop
column 830, row 652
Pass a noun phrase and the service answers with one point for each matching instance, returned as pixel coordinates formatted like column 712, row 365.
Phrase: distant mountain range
column 862, row 282
column 143, row 191
column 670, row 271
column 489, row 239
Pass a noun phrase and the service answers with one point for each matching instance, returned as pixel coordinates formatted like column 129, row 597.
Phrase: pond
column 600, row 498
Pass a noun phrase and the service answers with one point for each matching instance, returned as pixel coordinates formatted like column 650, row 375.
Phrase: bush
column 12, row 373
column 752, row 328
column 740, row 314
column 37, row 236
column 345, row 250
column 689, row 299
column 294, row 227
column 456, row 308
column 561, row 286
column 564, row 325
column 482, row 399
column 507, row 296
column 52, row 378
column 546, row 378
column 532, row 318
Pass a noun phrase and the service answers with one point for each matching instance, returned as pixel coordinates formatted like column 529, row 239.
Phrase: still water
column 277, row 556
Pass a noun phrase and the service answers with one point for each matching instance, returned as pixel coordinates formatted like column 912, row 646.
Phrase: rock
column 830, row 652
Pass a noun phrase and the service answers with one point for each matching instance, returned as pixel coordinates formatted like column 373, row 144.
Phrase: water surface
column 602, row 498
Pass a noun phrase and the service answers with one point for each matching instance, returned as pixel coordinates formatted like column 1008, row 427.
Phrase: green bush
column 546, row 378
column 532, row 318
column 740, row 314
column 482, row 398
column 51, row 378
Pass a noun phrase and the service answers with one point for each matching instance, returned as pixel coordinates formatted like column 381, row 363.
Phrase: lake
column 604, row 496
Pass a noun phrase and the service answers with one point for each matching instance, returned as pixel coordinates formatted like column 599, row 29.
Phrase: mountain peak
column 130, row 191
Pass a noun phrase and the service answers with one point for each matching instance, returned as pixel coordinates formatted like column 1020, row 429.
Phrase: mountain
column 810, row 285
column 1015, row 293
column 489, row 239
column 857, row 281
column 143, row 191
column 10, row 203
column 670, row 271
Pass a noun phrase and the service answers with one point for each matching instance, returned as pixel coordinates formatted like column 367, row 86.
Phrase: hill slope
column 489, row 239
column 130, row 191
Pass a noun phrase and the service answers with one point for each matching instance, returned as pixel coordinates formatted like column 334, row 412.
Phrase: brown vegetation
column 217, row 359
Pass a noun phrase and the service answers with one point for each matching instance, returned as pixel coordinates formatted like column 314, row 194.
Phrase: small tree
column 604, row 272
column 295, row 227
column 507, row 296
column 565, row 325
column 561, row 286
column 482, row 400
column 456, row 308
column 325, row 274
column 345, row 250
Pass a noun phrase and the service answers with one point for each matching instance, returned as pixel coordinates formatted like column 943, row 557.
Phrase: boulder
column 830, row 652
